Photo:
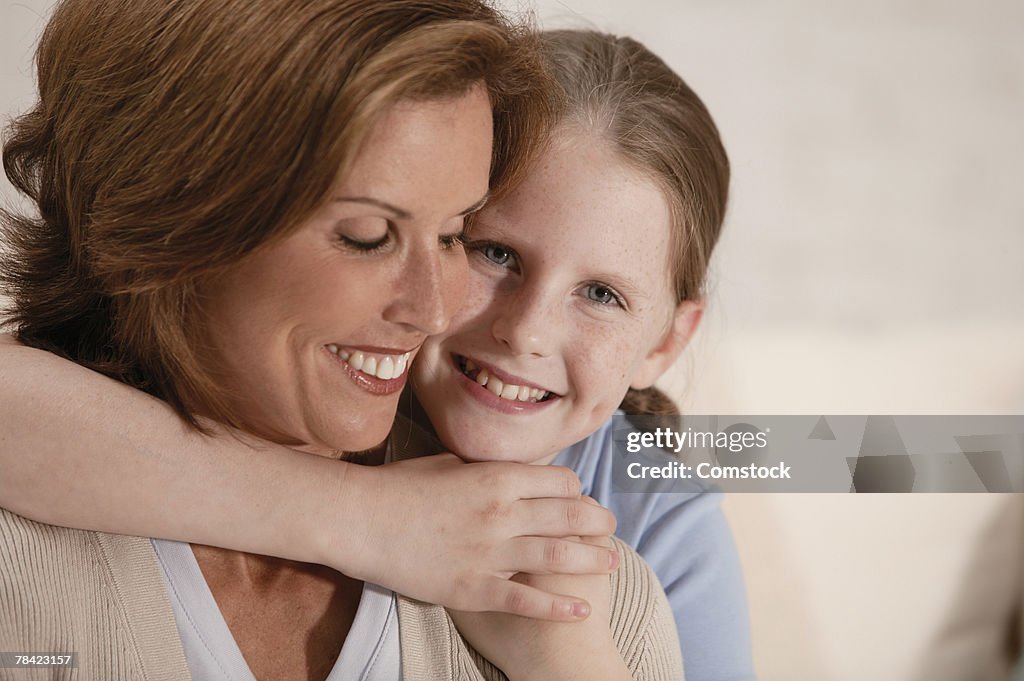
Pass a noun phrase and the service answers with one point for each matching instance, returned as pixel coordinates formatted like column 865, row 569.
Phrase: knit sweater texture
column 102, row 596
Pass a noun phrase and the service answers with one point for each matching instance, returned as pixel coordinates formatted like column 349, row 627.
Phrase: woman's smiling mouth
column 379, row 373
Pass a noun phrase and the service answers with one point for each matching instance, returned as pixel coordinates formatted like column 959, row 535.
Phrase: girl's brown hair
column 172, row 139
column 618, row 89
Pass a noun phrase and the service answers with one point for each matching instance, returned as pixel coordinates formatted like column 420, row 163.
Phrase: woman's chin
column 333, row 438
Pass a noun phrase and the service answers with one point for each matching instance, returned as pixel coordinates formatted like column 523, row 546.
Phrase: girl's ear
column 684, row 322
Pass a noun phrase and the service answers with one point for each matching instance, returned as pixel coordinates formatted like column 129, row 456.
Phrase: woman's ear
column 684, row 323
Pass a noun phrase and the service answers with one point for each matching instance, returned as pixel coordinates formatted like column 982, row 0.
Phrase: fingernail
column 613, row 559
column 580, row 610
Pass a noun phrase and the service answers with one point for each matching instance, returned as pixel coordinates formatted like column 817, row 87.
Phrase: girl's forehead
column 582, row 199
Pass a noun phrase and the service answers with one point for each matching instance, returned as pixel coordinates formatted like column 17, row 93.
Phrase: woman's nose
column 432, row 287
column 526, row 323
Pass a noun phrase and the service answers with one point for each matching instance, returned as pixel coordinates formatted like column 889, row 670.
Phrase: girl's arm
column 629, row 637
column 84, row 451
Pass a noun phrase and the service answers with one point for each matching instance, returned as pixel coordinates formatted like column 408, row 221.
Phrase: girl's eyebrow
column 402, row 214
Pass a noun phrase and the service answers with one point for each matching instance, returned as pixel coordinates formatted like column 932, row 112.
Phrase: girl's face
column 314, row 334
column 569, row 304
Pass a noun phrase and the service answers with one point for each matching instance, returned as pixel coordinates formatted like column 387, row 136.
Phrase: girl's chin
column 472, row 448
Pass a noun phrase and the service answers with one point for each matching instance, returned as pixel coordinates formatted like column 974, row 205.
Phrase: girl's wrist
column 333, row 522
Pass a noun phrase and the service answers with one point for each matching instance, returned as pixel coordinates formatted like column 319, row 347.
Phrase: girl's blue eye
column 602, row 295
column 497, row 254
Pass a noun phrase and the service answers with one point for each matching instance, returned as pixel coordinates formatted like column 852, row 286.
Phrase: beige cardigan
column 103, row 596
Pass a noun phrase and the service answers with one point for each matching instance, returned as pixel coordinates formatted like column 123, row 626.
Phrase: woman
column 182, row 156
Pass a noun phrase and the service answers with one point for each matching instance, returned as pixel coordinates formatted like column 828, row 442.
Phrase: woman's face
column 569, row 303
column 314, row 334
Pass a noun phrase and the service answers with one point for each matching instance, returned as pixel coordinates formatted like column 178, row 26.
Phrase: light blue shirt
column 687, row 541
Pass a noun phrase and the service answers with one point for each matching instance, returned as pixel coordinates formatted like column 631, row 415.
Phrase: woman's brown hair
column 616, row 88
column 172, row 139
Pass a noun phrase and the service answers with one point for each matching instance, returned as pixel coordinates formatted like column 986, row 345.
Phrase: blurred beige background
column 872, row 256
column 871, row 264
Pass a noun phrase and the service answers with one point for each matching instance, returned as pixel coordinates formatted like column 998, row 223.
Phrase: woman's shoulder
column 100, row 594
column 636, row 590
column 642, row 622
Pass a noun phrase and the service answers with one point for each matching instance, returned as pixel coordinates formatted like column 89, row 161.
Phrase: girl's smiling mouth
column 501, row 385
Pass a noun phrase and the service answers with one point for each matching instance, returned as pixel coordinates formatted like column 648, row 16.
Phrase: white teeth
column 506, row 391
column 385, row 367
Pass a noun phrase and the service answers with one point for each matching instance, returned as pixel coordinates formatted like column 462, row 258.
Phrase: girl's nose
column 526, row 324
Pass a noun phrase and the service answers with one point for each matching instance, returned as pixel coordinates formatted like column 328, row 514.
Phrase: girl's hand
column 526, row 649
column 451, row 533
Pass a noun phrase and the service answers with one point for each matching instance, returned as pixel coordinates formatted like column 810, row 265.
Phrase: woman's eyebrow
column 478, row 205
column 404, row 214
column 377, row 203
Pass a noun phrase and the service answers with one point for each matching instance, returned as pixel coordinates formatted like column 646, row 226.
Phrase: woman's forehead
column 425, row 154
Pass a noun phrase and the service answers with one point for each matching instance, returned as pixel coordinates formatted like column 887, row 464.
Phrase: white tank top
column 371, row 650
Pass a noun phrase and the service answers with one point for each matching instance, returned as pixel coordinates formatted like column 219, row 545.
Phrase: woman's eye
column 602, row 295
column 364, row 246
column 450, row 241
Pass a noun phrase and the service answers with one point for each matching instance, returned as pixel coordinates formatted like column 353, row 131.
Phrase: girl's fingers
column 535, row 482
column 551, row 556
column 511, row 597
column 597, row 540
column 562, row 518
